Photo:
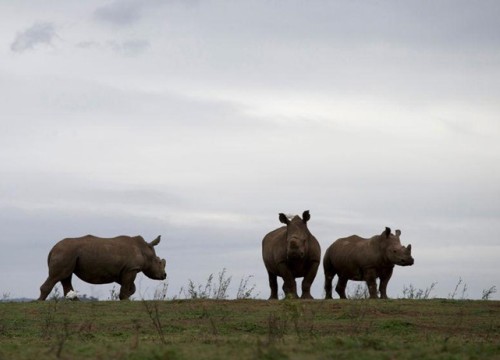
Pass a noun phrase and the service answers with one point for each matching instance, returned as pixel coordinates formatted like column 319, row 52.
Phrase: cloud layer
column 201, row 121
column 38, row 34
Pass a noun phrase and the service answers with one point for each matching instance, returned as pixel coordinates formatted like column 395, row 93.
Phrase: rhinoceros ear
column 284, row 219
column 398, row 232
column 387, row 232
column 155, row 241
column 306, row 216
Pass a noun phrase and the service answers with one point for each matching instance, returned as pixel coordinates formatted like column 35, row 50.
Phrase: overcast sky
column 202, row 120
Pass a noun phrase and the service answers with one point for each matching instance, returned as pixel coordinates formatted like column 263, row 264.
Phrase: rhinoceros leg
column 290, row 289
column 273, row 284
column 58, row 271
column 308, row 280
column 371, row 281
column 66, row 284
column 384, row 280
column 341, row 285
column 125, row 293
column 328, row 286
column 127, row 285
column 289, row 284
column 47, row 287
column 330, row 273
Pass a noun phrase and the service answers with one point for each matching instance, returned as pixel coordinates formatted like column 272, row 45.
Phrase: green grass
column 251, row 329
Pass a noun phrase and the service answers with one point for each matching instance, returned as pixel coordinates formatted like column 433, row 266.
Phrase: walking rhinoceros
column 102, row 261
column 356, row 258
column 291, row 252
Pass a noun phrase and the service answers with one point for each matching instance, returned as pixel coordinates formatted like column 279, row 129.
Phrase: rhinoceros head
column 395, row 252
column 154, row 267
column 297, row 235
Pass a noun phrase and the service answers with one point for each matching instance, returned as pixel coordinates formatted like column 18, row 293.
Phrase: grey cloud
column 120, row 13
column 126, row 13
column 444, row 24
column 129, row 47
column 133, row 196
column 88, row 44
column 125, row 48
column 39, row 33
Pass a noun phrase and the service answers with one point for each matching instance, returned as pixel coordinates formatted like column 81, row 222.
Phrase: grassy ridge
column 251, row 329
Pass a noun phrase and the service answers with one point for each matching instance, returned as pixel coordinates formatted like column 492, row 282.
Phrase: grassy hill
column 251, row 329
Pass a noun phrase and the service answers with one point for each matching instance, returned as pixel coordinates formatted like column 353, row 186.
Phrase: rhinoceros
column 291, row 252
column 356, row 258
column 103, row 261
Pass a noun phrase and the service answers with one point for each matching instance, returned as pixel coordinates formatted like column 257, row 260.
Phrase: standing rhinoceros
column 356, row 258
column 103, row 261
column 291, row 252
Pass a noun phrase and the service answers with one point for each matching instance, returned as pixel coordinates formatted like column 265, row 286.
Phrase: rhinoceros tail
column 48, row 257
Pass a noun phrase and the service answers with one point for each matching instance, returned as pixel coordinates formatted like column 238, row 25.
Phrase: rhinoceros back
column 96, row 260
column 274, row 248
column 347, row 253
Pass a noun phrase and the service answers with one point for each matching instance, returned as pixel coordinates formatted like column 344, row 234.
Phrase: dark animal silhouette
column 103, row 261
column 356, row 258
column 291, row 252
